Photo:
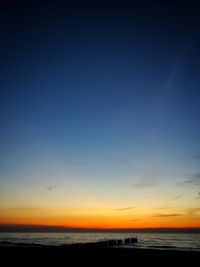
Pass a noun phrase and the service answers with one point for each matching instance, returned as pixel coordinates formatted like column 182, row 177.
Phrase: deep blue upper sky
column 86, row 82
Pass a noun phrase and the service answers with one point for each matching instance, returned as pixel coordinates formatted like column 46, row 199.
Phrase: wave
column 162, row 246
column 168, row 241
column 7, row 243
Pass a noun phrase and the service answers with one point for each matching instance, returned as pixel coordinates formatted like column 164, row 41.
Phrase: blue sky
column 99, row 95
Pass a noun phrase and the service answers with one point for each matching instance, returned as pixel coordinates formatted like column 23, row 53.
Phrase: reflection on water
column 145, row 240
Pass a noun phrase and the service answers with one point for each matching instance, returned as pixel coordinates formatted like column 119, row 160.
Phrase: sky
column 99, row 114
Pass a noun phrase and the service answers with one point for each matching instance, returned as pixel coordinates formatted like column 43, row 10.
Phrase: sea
column 175, row 241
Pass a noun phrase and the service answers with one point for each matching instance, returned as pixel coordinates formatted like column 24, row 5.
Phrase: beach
column 99, row 248
column 55, row 255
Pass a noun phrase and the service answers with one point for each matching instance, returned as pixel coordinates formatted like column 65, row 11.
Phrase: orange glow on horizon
column 101, row 223
column 100, row 217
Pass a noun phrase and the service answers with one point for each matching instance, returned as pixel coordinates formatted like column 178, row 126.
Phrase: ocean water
column 178, row 241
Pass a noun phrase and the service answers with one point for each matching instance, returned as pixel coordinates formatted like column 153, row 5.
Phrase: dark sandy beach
column 56, row 255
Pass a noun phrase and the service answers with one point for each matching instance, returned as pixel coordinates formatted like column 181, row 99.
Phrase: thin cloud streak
column 21, row 208
column 194, row 212
column 75, row 162
column 192, row 180
column 148, row 178
column 161, row 208
column 144, row 184
column 197, row 198
column 123, row 209
column 196, row 156
column 166, row 215
column 120, row 160
column 174, row 198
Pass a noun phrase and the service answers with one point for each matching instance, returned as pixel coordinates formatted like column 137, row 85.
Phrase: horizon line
column 62, row 229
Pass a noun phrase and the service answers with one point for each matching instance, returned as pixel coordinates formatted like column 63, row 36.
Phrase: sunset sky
column 100, row 115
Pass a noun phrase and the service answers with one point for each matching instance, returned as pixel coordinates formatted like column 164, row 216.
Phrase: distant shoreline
column 58, row 229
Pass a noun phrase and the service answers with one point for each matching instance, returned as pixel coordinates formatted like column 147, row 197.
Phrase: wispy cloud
column 170, row 83
column 117, row 160
column 120, row 160
column 197, row 197
column 174, row 198
column 144, row 183
column 194, row 212
column 149, row 177
column 194, row 179
column 160, row 215
column 126, row 208
column 51, row 187
column 76, row 162
column 161, row 208
column 196, row 156
column 20, row 208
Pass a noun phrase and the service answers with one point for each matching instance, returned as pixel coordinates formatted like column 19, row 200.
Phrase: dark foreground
column 93, row 256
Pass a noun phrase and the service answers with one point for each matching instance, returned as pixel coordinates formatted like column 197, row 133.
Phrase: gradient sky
column 100, row 115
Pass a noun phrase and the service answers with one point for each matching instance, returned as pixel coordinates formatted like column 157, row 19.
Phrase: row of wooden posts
column 104, row 243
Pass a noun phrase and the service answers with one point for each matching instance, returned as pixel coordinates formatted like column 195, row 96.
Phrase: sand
column 57, row 256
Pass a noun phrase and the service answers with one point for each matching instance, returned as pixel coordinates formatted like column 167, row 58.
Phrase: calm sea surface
column 145, row 240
